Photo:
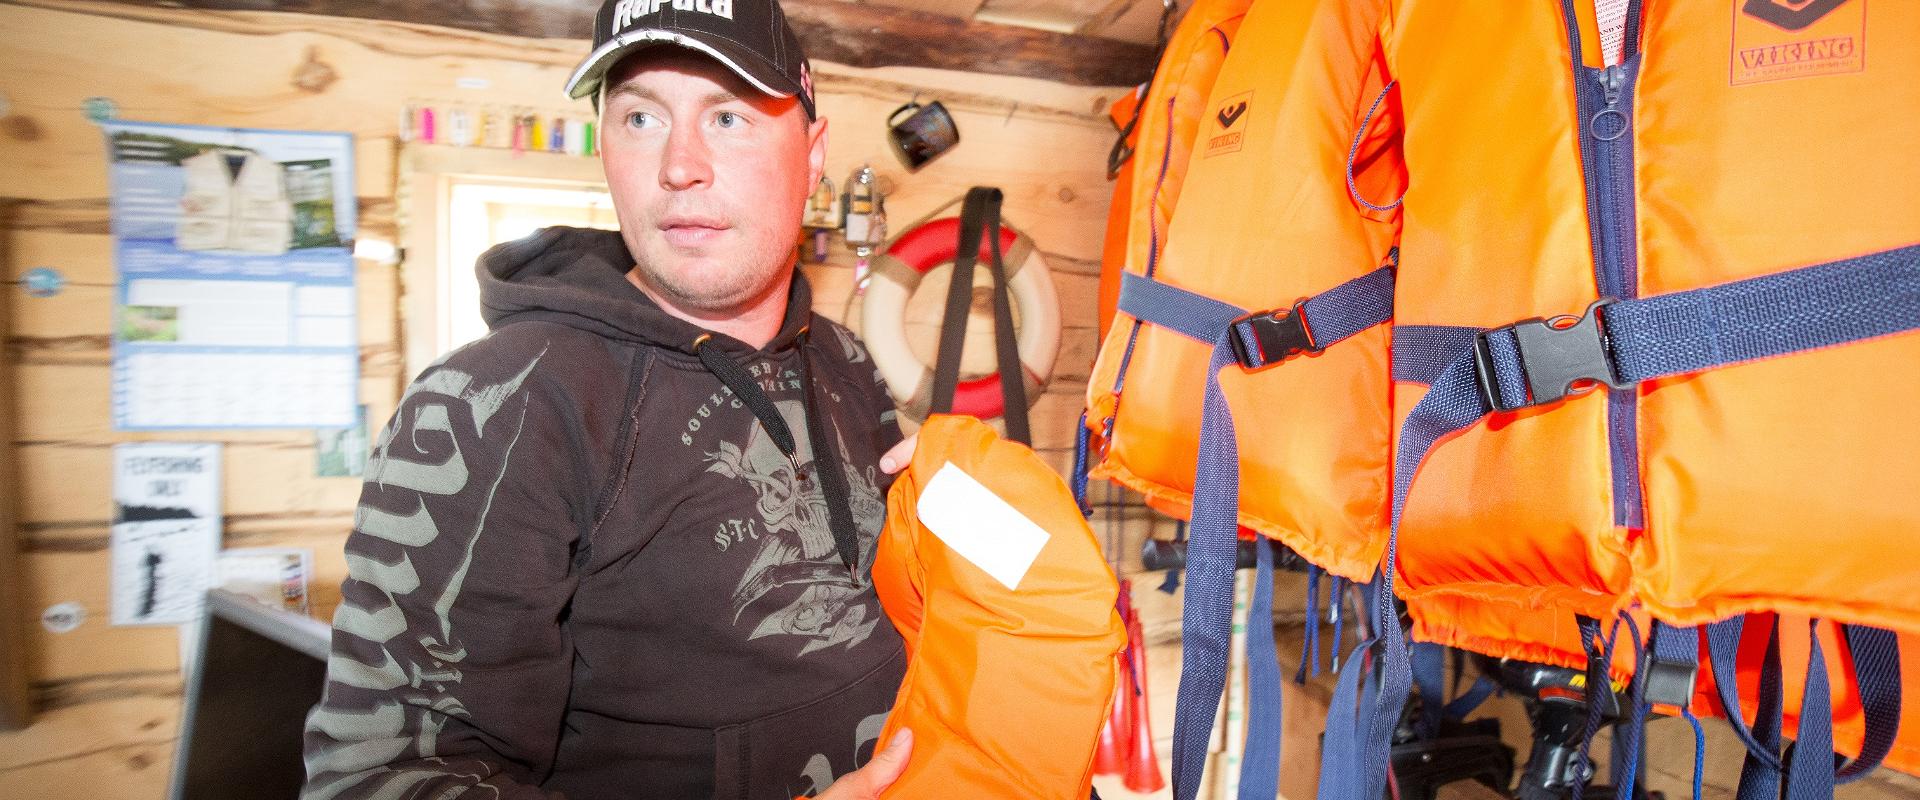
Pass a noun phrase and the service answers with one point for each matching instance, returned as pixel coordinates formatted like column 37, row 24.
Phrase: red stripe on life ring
column 980, row 397
column 938, row 241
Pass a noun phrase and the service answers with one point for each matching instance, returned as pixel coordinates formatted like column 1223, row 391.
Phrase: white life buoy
column 898, row 271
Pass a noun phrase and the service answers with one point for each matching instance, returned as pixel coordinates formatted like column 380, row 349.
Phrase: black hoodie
column 581, row 568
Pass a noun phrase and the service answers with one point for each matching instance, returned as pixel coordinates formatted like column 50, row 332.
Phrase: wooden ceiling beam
column 855, row 34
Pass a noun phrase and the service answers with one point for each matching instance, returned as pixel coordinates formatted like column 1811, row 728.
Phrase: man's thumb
column 885, row 768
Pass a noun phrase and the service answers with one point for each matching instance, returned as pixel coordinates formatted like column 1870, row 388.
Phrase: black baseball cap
column 750, row 37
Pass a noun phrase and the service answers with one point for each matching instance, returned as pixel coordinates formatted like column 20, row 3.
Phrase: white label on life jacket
column 980, row 526
column 1611, row 18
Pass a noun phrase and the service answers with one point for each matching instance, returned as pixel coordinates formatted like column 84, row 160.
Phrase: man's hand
column 866, row 783
column 900, row 456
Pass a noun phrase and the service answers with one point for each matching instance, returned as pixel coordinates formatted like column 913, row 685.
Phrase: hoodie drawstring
column 833, row 479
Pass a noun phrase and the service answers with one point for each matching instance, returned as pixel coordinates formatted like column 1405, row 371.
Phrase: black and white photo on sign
column 166, row 530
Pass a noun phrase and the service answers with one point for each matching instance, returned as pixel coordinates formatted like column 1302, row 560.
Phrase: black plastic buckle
column 1669, row 683
column 1277, row 336
column 1555, row 354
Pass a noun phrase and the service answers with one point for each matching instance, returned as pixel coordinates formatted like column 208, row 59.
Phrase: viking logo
column 1230, row 114
column 1790, row 15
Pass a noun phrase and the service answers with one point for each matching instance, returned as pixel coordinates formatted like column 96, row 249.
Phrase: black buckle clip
column 1669, row 683
column 1555, row 354
column 1277, row 336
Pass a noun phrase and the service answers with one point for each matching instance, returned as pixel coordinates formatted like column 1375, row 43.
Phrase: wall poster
column 166, row 530
column 235, row 305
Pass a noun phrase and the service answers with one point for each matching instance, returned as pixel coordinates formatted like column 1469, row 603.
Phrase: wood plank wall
column 107, row 698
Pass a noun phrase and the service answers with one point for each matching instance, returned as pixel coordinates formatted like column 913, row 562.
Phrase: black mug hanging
column 921, row 133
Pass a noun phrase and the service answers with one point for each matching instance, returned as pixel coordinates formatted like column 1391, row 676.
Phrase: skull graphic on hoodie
column 796, row 584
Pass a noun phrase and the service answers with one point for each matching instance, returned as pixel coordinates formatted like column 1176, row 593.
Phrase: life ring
column 898, row 271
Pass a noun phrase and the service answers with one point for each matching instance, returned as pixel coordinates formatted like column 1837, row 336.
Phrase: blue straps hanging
column 1250, row 341
column 1876, row 670
column 1665, row 676
column 1876, row 662
column 1310, row 640
column 1260, row 761
column 1077, row 482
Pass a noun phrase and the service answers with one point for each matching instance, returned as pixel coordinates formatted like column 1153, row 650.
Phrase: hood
column 578, row 277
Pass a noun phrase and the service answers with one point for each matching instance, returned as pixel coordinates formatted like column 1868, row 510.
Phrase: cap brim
column 750, row 66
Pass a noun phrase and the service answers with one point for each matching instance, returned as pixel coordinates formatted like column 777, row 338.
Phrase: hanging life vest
column 1157, row 130
column 1510, row 514
column 1006, row 604
column 1205, row 325
column 1626, row 226
column 1630, row 233
column 1254, row 184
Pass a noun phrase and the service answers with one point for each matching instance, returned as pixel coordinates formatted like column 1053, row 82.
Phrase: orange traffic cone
column 1143, row 765
column 1110, row 754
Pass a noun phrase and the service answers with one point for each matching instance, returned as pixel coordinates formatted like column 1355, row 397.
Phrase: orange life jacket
column 1257, row 187
column 1261, row 187
column 1164, row 123
column 1744, row 338
column 999, row 588
column 1697, row 491
column 1709, row 515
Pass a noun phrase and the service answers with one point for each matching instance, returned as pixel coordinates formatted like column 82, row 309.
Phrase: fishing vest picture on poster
column 235, row 305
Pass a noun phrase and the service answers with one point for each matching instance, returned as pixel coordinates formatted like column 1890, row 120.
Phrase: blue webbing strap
column 1206, row 619
column 1876, row 667
column 1642, row 339
column 1429, row 673
column 1310, row 641
column 1260, row 762
column 1723, row 644
column 1810, row 761
column 1343, row 762
column 1671, row 650
column 1336, row 607
column 1810, row 773
column 1483, row 687
column 1876, row 670
column 1787, row 312
column 1206, row 623
column 1599, row 680
column 1078, row 480
column 1760, row 774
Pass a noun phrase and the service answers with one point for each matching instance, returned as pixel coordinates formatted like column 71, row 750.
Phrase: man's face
column 710, row 178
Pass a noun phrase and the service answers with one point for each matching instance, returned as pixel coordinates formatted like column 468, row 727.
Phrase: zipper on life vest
column 1604, row 105
column 1153, row 263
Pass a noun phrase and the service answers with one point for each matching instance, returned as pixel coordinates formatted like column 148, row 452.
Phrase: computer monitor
column 258, row 672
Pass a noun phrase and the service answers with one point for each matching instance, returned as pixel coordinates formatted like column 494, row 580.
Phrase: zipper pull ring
column 1610, row 123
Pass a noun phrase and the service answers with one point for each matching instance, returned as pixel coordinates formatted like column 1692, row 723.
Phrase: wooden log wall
column 107, row 698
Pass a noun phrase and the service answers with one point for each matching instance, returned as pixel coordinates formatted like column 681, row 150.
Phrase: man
column 620, row 546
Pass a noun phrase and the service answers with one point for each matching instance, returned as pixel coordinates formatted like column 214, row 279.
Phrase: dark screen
column 253, row 699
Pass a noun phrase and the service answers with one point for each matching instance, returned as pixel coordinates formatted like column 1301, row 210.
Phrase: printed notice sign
column 166, row 530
